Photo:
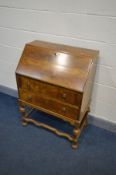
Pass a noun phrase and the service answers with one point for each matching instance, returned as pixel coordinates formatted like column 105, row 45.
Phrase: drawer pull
column 63, row 109
column 29, row 97
column 64, row 95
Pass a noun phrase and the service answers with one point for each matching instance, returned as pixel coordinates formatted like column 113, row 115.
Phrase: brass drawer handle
column 64, row 95
column 63, row 109
column 30, row 97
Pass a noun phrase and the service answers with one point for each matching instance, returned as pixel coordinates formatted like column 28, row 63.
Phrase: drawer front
column 59, row 93
column 49, row 104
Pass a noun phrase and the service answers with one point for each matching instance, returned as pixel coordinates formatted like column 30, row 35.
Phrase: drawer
column 52, row 91
column 49, row 104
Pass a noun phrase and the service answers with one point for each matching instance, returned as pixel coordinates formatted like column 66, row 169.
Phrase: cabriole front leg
column 75, row 138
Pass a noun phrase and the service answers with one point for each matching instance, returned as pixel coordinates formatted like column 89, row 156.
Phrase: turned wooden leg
column 75, row 139
column 86, row 123
column 23, row 112
column 86, row 120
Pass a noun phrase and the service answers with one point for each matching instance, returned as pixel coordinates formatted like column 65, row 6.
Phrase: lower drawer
column 50, row 104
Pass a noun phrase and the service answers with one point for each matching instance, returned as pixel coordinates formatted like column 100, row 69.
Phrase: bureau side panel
column 87, row 91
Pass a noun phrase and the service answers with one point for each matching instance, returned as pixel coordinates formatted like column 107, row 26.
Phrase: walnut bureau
column 56, row 79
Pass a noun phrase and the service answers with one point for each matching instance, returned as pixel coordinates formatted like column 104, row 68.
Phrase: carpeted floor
column 31, row 150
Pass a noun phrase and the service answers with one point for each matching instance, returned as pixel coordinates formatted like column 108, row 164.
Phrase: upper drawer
column 48, row 90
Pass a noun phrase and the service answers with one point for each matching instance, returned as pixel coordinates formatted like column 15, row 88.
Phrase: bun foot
column 75, row 145
column 24, row 123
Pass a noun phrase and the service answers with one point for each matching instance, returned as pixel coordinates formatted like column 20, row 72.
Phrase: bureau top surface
column 57, row 64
